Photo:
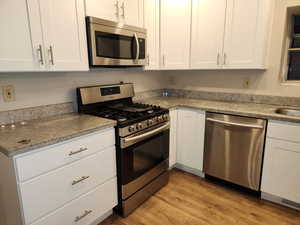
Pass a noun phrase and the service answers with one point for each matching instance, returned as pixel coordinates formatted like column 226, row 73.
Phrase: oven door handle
column 137, row 47
column 148, row 134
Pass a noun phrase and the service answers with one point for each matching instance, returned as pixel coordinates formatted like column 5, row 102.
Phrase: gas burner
column 122, row 119
column 150, row 111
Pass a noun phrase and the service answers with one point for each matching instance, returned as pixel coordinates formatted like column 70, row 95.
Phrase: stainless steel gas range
column 142, row 141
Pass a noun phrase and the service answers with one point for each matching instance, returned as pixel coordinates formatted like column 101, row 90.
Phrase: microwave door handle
column 137, row 47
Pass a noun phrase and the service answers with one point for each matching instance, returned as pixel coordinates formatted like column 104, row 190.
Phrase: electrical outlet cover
column 8, row 93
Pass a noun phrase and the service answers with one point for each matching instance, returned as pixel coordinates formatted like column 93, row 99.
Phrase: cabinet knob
column 225, row 58
column 123, row 10
column 51, row 55
column 117, row 8
column 40, row 52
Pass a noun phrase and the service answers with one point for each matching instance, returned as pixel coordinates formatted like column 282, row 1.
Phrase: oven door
column 144, row 159
column 114, row 46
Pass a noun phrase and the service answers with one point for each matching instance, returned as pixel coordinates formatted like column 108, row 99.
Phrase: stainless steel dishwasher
column 234, row 148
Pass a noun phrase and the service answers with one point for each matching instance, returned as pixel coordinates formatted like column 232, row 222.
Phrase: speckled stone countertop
column 263, row 111
column 42, row 132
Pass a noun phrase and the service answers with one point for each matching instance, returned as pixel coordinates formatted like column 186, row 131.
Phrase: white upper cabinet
column 64, row 33
column 175, row 34
column 20, row 47
column 43, row 35
column 129, row 12
column 246, row 33
column 132, row 12
column 208, row 20
column 230, row 34
column 152, row 25
column 190, row 138
column 104, row 9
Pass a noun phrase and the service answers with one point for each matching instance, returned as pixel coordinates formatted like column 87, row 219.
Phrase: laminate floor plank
column 190, row 200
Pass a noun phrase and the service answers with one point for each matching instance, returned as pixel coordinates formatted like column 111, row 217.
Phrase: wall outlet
column 8, row 93
column 246, row 83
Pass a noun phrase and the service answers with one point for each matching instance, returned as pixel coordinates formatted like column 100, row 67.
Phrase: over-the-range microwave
column 115, row 44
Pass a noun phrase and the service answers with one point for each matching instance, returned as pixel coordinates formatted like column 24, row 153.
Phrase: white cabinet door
column 132, row 12
column 281, row 169
column 104, row 9
column 208, row 21
column 246, row 33
column 64, row 34
column 175, row 34
column 20, row 47
column 152, row 25
column 173, row 138
column 190, row 138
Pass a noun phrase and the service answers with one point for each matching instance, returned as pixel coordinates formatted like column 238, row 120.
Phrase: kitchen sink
column 288, row 111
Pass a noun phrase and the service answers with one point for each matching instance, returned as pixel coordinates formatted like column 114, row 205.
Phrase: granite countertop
column 263, row 111
column 42, row 132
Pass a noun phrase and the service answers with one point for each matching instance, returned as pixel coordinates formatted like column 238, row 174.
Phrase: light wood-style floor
column 189, row 200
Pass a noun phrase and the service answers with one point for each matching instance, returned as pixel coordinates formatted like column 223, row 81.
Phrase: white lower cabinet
column 86, row 209
column 190, row 139
column 173, row 138
column 66, row 184
column 69, row 183
column 281, row 168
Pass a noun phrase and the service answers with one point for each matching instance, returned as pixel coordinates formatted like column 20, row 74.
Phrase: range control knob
column 150, row 122
column 139, row 126
column 131, row 128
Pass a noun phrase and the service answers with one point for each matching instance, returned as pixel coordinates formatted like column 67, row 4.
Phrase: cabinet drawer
column 284, row 131
column 281, row 169
column 94, row 204
column 52, row 157
column 50, row 191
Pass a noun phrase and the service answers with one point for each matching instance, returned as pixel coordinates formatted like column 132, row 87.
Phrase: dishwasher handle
column 255, row 126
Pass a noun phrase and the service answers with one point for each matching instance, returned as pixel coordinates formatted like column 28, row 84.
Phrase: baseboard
column 280, row 201
column 189, row 170
column 102, row 218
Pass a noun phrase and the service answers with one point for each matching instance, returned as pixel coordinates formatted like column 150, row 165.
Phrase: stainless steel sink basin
column 288, row 111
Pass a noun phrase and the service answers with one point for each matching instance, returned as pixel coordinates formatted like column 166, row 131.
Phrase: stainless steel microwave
column 115, row 44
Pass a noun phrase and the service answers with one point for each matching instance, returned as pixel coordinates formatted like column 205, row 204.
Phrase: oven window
column 115, row 46
column 141, row 157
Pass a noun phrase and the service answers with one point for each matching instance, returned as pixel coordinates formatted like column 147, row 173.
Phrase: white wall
column 34, row 89
column 261, row 82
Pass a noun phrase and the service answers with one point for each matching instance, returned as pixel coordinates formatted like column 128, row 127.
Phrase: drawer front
column 48, row 192
column 52, row 157
column 86, row 209
column 281, row 169
column 284, row 131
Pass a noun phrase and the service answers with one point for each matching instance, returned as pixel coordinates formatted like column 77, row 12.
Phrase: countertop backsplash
column 39, row 112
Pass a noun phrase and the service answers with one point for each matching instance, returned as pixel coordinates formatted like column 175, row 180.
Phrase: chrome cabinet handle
column 225, row 58
column 148, row 60
column 76, row 152
column 117, row 8
column 218, row 59
column 51, row 55
column 123, row 10
column 137, row 47
column 148, row 134
column 74, row 182
column 236, row 124
column 40, row 52
column 164, row 60
column 86, row 212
